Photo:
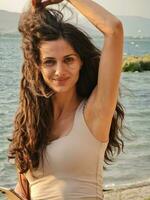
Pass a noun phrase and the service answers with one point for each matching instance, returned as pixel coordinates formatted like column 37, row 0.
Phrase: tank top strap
column 81, row 107
column 82, row 126
column 79, row 112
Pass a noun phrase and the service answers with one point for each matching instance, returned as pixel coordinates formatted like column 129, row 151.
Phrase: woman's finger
column 33, row 3
column 36, row 3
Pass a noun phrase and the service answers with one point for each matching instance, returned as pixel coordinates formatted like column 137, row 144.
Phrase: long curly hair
column 34, row 117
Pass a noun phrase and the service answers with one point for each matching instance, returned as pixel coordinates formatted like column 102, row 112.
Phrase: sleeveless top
column 72, row 166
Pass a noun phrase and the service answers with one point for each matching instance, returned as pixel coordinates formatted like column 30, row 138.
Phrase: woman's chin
column 61, row 89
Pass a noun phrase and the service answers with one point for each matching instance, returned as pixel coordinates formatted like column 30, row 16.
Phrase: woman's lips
column 61, row 80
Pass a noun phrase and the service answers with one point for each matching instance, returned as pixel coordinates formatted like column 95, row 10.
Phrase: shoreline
column 134, row 191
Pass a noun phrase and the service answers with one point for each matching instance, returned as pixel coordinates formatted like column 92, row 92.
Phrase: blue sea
column 129, row 167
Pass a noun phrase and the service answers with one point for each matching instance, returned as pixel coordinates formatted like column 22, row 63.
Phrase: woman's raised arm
column 106, row 91
column 102, row 102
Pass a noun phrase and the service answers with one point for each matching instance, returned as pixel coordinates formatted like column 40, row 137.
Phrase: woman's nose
column 59, row 70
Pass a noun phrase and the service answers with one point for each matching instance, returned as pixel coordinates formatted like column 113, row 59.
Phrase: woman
column 69, row 118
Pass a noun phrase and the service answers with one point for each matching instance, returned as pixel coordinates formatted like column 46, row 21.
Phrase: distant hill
column 133, row 25
column 136, row 26
column 8, row 21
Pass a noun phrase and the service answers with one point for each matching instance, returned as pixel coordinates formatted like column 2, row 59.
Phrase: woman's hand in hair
column 44, row 3
column 36, row 4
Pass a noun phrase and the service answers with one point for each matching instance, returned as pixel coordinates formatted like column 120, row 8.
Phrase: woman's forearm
column 103, row 20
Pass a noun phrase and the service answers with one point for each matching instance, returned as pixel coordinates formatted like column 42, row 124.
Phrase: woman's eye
column 49, row 63
column 69, row 60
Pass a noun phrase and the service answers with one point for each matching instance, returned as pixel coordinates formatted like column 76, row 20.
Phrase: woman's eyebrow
column 46, row 58
column 73, row 54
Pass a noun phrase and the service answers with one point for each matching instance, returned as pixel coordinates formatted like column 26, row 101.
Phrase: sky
column 117, row 7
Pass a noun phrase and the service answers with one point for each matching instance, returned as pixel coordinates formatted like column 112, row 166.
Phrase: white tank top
column 73, row 166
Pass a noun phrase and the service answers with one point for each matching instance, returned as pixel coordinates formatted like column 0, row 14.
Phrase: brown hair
column 34, row 117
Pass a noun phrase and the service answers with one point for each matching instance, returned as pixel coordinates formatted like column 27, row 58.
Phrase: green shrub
column 132, row 66
column 136, row 63
column 145, row 65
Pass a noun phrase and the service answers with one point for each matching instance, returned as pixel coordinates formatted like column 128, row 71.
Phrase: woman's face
column 60, row 65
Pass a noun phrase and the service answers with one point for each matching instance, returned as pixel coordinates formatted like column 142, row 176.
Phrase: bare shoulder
column 97, row 120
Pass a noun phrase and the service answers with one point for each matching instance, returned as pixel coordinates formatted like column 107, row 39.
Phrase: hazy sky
column 117, row 7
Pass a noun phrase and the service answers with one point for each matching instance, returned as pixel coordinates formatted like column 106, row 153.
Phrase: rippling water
column 134, row 164
column 131, row 166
